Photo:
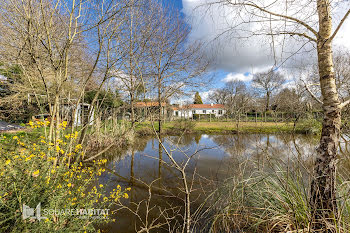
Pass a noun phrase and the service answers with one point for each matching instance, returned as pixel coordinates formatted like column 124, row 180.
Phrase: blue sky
column 220, row 75
column 248, row 49
column 176, row 3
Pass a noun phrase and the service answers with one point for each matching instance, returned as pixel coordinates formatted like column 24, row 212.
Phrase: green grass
column 217, row 127
column 248, row 127
column 231, row 127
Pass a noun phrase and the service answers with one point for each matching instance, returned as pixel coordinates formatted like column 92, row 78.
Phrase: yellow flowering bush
column 38, row 124
column 30, row 174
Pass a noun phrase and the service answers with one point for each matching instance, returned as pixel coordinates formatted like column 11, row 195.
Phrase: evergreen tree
column 197, row 99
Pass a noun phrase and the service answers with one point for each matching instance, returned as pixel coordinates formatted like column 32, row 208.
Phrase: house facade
column 191, row 110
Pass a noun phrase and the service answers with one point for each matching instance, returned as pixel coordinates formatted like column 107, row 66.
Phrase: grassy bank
column 179, row 127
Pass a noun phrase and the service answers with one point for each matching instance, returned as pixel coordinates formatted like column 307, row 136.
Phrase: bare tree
column 311, row 22
column 176, row 65
column 219, row 96
column 138, row 29
column 268, row 83
column 52, row 41
column 237, row 98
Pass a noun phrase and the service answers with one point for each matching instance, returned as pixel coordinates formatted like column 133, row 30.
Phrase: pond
column 212, row 159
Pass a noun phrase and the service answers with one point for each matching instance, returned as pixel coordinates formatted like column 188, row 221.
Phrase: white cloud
column 237, row 76
column 205, row 96
column 289, row 84
column 189, row 99
column 244, row 49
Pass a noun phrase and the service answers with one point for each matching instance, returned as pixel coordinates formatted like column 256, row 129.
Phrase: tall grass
column 109, row 132
column 274, row 200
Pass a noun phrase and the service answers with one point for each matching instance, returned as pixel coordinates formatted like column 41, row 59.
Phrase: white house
column 188, row 111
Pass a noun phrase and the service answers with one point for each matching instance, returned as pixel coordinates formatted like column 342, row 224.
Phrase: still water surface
column 214, row 158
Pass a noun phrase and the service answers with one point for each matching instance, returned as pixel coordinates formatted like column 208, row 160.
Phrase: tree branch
column 294, row 33
column 342, row 105
column 312, row 94
column 277, row 15
column 339, row 25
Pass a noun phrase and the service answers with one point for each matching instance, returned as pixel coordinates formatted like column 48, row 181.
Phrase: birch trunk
column 323, row 190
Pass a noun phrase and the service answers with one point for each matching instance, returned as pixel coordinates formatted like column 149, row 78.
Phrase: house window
column 220, row 112
column 176, row 113
column 194, row 112
column 204, row 111
column 213, row 111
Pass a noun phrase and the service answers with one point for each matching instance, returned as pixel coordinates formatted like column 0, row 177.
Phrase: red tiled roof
column 196, row 106
column 148, row 104
column 206, row 106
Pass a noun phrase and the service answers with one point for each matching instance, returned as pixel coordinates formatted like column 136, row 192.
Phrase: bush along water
column 45, row 188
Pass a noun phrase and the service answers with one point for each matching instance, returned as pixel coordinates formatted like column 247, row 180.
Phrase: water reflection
column 215, row 158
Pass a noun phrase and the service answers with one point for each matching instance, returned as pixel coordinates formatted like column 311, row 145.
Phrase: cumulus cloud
column 189, row 99
column 205, row 95
column 239, row 42
column 238, row 76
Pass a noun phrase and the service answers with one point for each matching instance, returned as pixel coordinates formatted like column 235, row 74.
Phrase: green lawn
column 249, row 127
column 226, row 127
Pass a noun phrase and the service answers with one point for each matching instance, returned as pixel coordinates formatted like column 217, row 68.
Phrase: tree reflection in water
column 145, row 161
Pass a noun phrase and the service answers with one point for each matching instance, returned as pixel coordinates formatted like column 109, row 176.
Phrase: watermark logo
column 35, row 213
column 29, row 212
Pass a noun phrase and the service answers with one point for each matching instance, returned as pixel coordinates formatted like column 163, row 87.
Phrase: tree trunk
column 323, row 189
column 267, row 101
column 160, row 108
column 132, row 111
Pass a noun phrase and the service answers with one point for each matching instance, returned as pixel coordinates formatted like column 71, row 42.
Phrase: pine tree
column 197, row 99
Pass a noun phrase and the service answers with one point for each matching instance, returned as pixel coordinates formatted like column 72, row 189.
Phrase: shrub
column 184, row 126
column 309, row 126
column 203, row 116
column 34, row 172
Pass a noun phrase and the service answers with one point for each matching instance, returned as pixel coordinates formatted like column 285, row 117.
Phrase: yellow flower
column 63, row 124
column 128, row 189
column 78, row 147
column 101, row 185
column 15, row 137
column 8, row 162
column 69, row 185
column 126, row 195
column 36, row 173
